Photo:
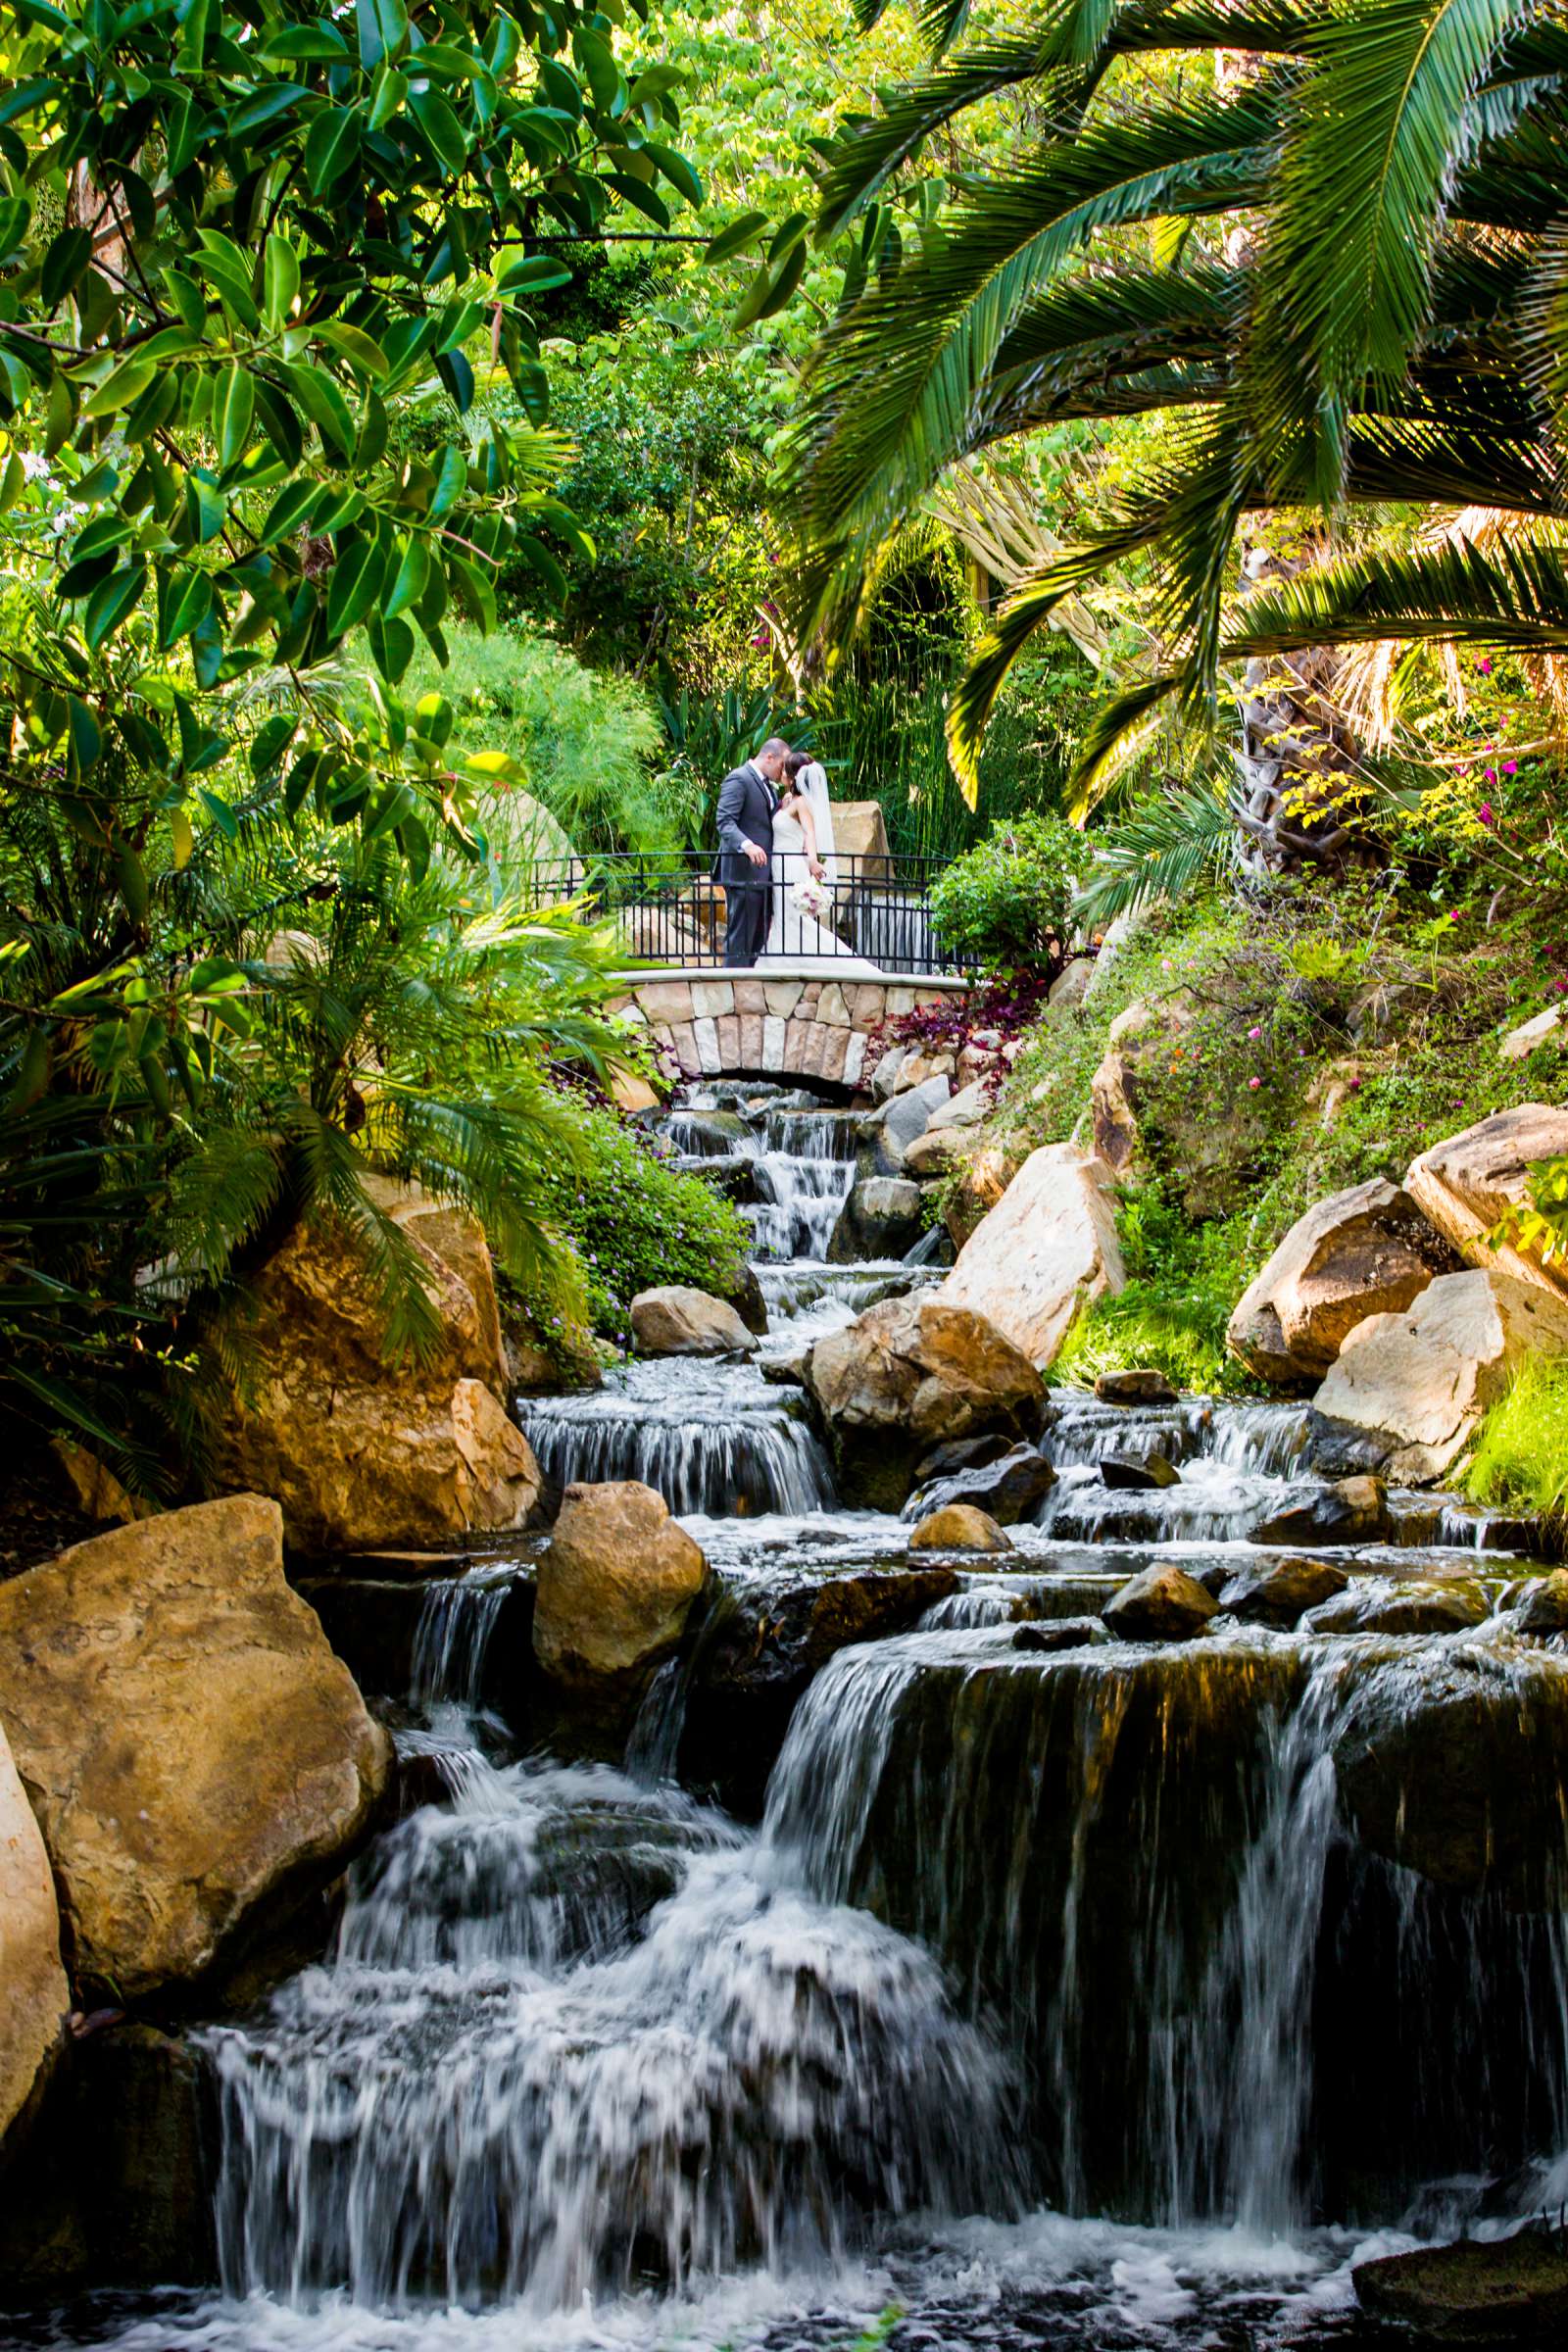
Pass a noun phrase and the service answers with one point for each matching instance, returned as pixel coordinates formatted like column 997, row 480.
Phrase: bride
column 803, row 867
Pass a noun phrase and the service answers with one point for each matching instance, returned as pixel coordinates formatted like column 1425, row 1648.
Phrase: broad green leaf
column 676, row 170
column 598, row 61
column 325, row 407
column 441, row 128
column 234, row 403
column 267, row 106
column 388, row 93
column 383, row 29
column 533, row 273
column 109, row 604
column 182, row 837
column 331, row 145
column 360, row 350
column 289, row 511
column 354, row 585
column 280, row 280
column 66, row 258
column 411, row 574
column 185, row 599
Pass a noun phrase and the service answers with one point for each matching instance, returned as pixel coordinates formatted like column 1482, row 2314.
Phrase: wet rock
column 357, row 1450
column 1280, row 1591
column 1416, row 1607
column 1048, row 1249
column 1409, row 1389
column 1140, row 1384
column 908, row 1373
column 937, row 1153
column 1137, row 1474
column 676, row 1321
column 113, row 2183
column 1161, row 1604
column 198, row 1759
column 961, row 1453
column 1509, row 2290
column 36, row 1995
column 784, row 1371
column 756, row 1656
column 735, row 1178
column 1007, row 1488
column 1469, row 1181
column 1452, row 1759
column 959, row 1527
column 1542, row 1608
column 1352, row 1510
column 1365, row 1252
column 740, row 1286
column 615, row 1585
column 1068, row 1632
column 880, row 1218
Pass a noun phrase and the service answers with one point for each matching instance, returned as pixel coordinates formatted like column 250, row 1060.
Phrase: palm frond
column 1161, row 852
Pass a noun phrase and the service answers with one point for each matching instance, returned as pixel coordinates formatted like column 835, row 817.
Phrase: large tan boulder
column 616, row 1583
column 196, row 1757
column 675, row 1320
column 909, row 1374
column 360, row 1452
column 1045, row 1251
column 34, row 1996
column 1466, row 1183
column 1407, row 1390
column 1365, row 1252
column 959, row 1527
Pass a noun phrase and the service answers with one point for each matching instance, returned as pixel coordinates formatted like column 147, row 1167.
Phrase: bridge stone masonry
column 792, row 1023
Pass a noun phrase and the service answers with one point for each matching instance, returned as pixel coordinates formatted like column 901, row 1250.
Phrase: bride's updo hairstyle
column 795, row 768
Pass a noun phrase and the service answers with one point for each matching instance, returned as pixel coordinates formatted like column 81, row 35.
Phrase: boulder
column 1278, row 1592
column 1140, row 1384
column 1468, row 1182
column 937, row 1153
column 1137, row 1474
column 676, row 1321
column 885, row 1077
column 617, row 1583
column 1508, row 2291
column 961, row 1453
column 880, row 1218
column 1409, row 1389
column 1162, row 1603
column 1071, row 984
column 1450, row 1759
column 1376, row 1606
column 1545, row 1029
column 979, row 1181
column 1354, row 1511
column 357, row 1451
column 739, row 1284
column 1046, row 1249
column 1007, row 1488
column 36, row 1994
column 1543, row 1606
column 198, row 1759
column 908, row 1374
column 966, row 1109
column 959, row 1527
column 1145, row 1119
column 1365, row 1252
column 906, row 1117
column 1068, row 1632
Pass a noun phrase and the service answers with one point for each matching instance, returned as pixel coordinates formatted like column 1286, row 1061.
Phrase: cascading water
column 1201, row 1944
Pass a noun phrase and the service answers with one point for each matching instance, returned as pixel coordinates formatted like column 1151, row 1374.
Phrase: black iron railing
column 872, row 910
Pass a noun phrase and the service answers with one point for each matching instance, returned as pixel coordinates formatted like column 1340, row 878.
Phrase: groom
column 745, row 861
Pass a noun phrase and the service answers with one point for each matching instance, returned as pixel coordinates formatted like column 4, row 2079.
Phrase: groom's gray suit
column 745, row 805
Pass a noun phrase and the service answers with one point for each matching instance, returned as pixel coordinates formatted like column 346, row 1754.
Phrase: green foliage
column 1181, row 1288
column 1540, row 1224
column 707, row 736
column 634, row 1222
column 1520, row 1461
column 1008, row 900
column 579, row 745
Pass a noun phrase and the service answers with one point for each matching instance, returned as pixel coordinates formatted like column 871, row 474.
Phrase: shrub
column 1181, row 1287
column 1521, row 1455
column 634, row 1222
column 1007, row 899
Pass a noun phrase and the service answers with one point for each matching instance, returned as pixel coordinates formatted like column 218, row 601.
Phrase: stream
column 1055, row 1997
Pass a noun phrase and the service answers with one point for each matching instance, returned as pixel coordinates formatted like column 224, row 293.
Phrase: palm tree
column 1344, row 272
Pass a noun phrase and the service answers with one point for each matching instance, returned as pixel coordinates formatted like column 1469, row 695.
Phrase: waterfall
column 1138, row 1867
column 453, row 1636
column 711, row 1437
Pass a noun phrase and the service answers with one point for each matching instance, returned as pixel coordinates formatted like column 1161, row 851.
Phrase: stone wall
column 810, row 1030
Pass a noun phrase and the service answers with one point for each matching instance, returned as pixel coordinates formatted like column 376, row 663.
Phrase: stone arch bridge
column 794, row 1022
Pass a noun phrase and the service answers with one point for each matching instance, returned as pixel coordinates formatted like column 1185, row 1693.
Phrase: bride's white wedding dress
column 792, row 932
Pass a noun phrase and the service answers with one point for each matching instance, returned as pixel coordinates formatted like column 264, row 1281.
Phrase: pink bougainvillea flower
column 1255, row 1083
column 1485, row 666
column 1491, row 775
column 1510, row 767
column 1483, row 813
column 1255, row 1032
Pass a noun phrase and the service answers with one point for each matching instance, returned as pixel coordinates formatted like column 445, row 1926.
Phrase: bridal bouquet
column 812, row 899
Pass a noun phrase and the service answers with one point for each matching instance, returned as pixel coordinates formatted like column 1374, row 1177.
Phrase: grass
column 1520, row 1461
column 1181, row 1285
